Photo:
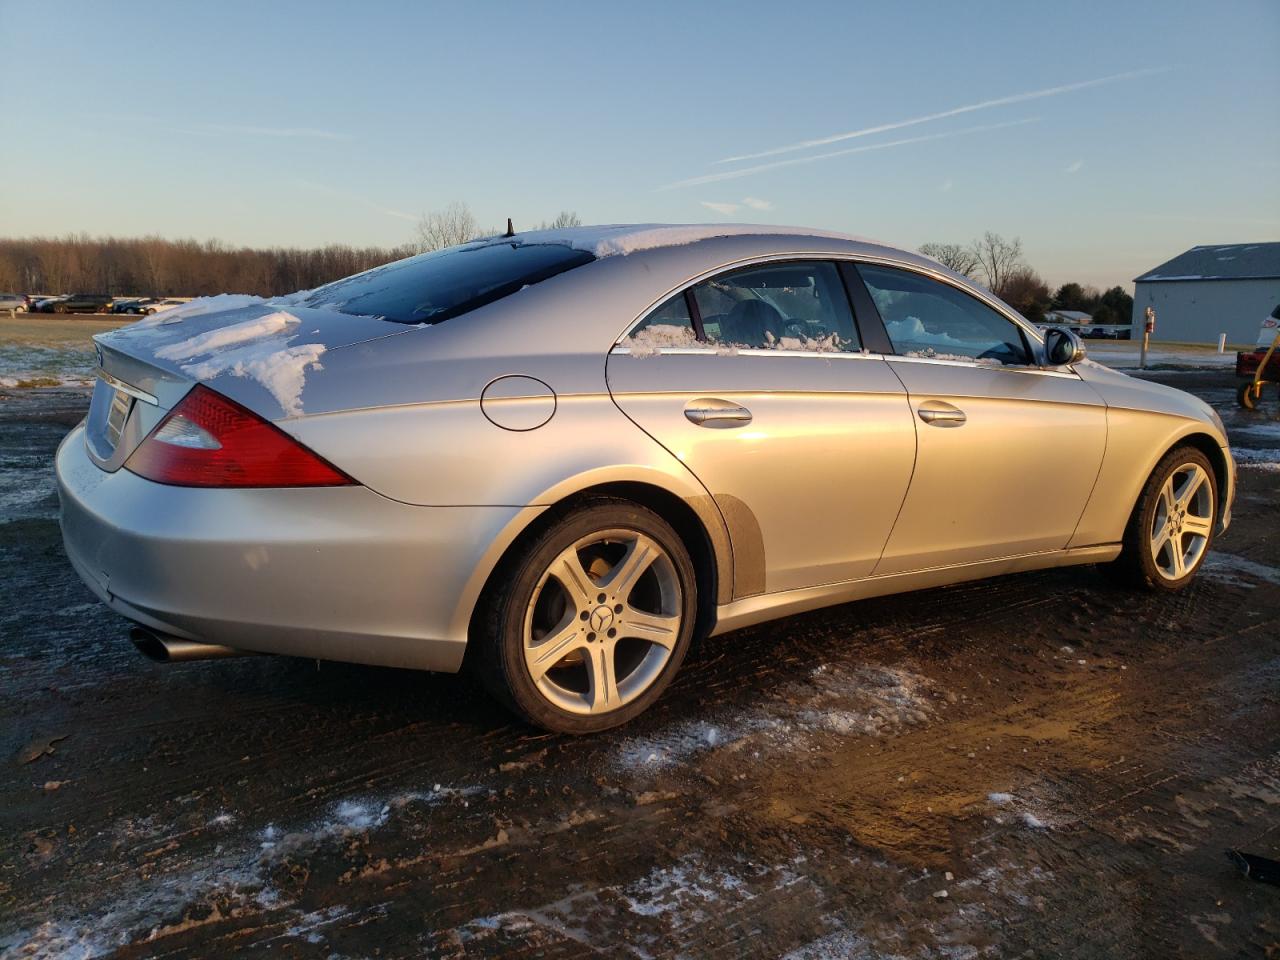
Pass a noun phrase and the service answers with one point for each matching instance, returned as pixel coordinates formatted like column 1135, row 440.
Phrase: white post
column 1149, row 316
column 1222, row 343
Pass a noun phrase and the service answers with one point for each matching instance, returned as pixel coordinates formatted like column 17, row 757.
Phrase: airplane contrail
column 956, row 111
column 793, row 161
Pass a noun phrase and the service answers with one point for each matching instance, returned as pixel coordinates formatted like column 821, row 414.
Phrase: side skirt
column 770, row 606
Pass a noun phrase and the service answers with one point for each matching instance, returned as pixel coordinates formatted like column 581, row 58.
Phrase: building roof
column 1229, row 261
column 1070, row 314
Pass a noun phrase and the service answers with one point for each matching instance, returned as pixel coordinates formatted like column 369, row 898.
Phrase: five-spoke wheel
column 586, row 625
column 1183, row 521
column 1173, row 522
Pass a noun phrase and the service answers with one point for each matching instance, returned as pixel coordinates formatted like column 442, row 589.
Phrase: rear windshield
column 436, row 286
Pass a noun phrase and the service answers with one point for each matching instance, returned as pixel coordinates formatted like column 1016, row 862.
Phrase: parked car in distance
column 142, row 306
column 698, row 429
column 158, row 306
column 13, row 303
column 78, row 303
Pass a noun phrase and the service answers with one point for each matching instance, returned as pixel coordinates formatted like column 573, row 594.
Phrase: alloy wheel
column 603, row 621
column 1183, row 521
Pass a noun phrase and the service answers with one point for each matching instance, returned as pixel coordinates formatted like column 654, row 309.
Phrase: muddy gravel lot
column 1045, row 765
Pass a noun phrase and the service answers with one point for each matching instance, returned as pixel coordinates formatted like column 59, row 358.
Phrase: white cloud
column 1073, row 167
column 725, row 208
column 755, row 203
column 956, row 111
column 775, row 164
column 946, row 185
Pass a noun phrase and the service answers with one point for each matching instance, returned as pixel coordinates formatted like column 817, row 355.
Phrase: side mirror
column 1062, row 347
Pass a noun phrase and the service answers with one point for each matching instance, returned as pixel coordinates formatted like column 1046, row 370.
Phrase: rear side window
column 436, row 286
column 787, row 306
column 925, row 318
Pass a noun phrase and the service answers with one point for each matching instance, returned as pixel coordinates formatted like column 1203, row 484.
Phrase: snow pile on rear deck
column 257, row 349
column 621, row 239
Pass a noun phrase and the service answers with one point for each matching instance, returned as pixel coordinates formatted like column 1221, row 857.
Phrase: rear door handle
column 716, row 413
column 939, row 414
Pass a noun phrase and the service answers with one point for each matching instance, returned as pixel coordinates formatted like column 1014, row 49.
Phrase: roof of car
column 626, row 238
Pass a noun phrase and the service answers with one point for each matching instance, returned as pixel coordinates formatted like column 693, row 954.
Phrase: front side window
column 926, row 318
column 786, row 306
column 436, row 286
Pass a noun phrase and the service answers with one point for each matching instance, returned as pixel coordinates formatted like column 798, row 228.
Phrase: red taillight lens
column 210, row 441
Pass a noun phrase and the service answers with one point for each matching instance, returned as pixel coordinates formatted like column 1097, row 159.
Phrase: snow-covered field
column 1126, row 355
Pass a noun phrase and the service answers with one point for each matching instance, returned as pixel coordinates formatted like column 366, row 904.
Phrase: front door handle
column 939, row 414
column 716, row 413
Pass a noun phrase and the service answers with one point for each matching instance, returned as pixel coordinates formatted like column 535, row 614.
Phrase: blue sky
column 308, row 123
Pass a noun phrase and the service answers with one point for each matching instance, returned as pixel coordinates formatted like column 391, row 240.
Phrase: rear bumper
column 334, row 573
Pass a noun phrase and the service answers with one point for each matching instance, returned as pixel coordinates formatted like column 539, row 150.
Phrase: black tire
column 497, row 644
column 1248, row 395
column 1136, row 560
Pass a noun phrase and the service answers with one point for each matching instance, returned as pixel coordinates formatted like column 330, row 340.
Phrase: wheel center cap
column 601, row 619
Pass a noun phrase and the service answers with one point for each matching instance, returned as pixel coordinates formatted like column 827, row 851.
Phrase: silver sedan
column 559, row 456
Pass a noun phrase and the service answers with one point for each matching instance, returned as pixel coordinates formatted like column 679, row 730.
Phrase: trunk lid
column 256, row 352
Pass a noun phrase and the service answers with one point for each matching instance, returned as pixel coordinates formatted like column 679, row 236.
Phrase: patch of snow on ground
column 1227, row 568
column 1021, row 808
column 1256, row 459
column 842, row 944
column 687, row 888
column 1267, row 429
column 870, row 701
column 233, row 877
column 28, row 365
column 1126, row 355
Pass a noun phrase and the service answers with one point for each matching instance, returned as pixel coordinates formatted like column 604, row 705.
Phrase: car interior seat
column 749, row 321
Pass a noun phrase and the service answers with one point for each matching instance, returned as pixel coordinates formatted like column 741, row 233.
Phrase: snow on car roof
column 620, row 239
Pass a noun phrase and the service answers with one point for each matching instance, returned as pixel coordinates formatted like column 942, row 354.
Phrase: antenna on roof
column 511, row 231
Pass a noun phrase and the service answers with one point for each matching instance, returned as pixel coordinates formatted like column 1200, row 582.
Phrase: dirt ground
column 1045, row 765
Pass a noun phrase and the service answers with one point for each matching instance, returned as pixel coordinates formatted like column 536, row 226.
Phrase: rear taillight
column 210, row 441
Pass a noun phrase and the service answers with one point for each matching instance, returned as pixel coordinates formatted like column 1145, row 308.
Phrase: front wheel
column 583, row 628
column 1171, row 529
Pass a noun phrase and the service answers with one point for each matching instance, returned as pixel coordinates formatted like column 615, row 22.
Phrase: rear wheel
column 583, row 628
column 1172, row 524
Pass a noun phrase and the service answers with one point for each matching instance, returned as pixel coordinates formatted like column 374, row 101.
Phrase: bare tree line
column 155, row 266
column 998, row 263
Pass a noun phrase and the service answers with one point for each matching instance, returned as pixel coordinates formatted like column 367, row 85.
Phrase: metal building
column 1220, row 288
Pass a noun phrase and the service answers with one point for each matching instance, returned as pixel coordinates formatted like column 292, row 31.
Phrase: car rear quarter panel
column 453, row 454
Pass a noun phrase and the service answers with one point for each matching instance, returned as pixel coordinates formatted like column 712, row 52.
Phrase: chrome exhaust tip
column 163, row 648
